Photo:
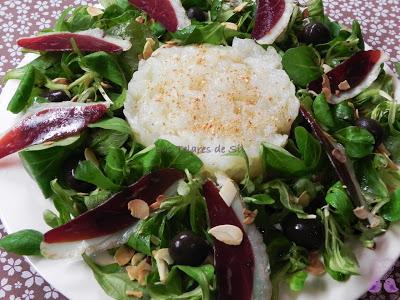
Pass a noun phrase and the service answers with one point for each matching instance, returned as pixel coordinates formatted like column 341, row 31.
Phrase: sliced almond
column 157, row 204
column 344, row 86
column 228, row 191
column 139, row 272
column 315, row 267
column 136, row 294
column 60, row 80
column 140, row 19
column 240, row 7
column 94, row 11
column 139, row 209
column 228, row 234
column 163, row 254
column 148, row 48
column 105, row 85
column 361, row 213
column 230, row 25
column 123, row 255
column 137, row 258
column 163, row 259
column 249, row 216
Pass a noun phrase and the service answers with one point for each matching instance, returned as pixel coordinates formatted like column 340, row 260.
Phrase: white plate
column 22, row 205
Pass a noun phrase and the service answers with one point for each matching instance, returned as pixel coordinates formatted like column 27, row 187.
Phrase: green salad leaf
column 106, row 66
column 302, row 64
column 21, row 97
column 24, row 242
column 116, row 124
column 45, row 163
column 87, row 171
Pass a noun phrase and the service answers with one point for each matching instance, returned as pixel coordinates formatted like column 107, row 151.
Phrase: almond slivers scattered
column 139, row 209
column 139, row 272
column 228, row 234
column 249, row 216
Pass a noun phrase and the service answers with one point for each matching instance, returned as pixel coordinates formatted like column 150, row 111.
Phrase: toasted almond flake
column 315, row 267
column 326, row 88
column 137, row 258
column 163, row 254
column 94, row 11
column 374, row 221
column 344, row 86
column 228, row 191
column 105, row 85
column 326, row 68
column 61, row 80
column 139, row 272
column 148, row 48
column 240, row 7
column 156, row 205
column 139, row 208
column 249, row 216
column 339, row 155
column 163, row 259
column 361, row 213
column 123, row 255
column 140, row 19
column 228, row 234
column 230, row 25
column 136, row 294
column 90, row 156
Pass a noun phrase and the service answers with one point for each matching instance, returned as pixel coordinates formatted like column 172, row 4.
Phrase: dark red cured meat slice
column 50, row 124
column 114, row 215
column 340, row 162
column 160, row 10
column 234, row 264
column 62, row 42
column 268, row 14
column 354, row 71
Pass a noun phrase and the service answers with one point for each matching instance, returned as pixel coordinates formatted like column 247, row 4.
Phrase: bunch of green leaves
column 339, row 260
column 284, row 163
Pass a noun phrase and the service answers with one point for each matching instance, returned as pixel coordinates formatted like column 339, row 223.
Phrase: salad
column 312, row 163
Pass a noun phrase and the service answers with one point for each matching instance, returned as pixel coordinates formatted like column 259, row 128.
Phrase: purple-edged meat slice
column 49, row 123
column 91, row 40
column 338, row 158
column 169, row 13
column 350, row 78
column 108, row 224
column 243, row 270
column 272, row 19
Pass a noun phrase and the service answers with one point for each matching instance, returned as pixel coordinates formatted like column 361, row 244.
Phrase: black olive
column 69, row 178
column 186, row 248
column 373, row 127
column 56, row 96
column 307, row 233
column 315, row 33
column 197, row 14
